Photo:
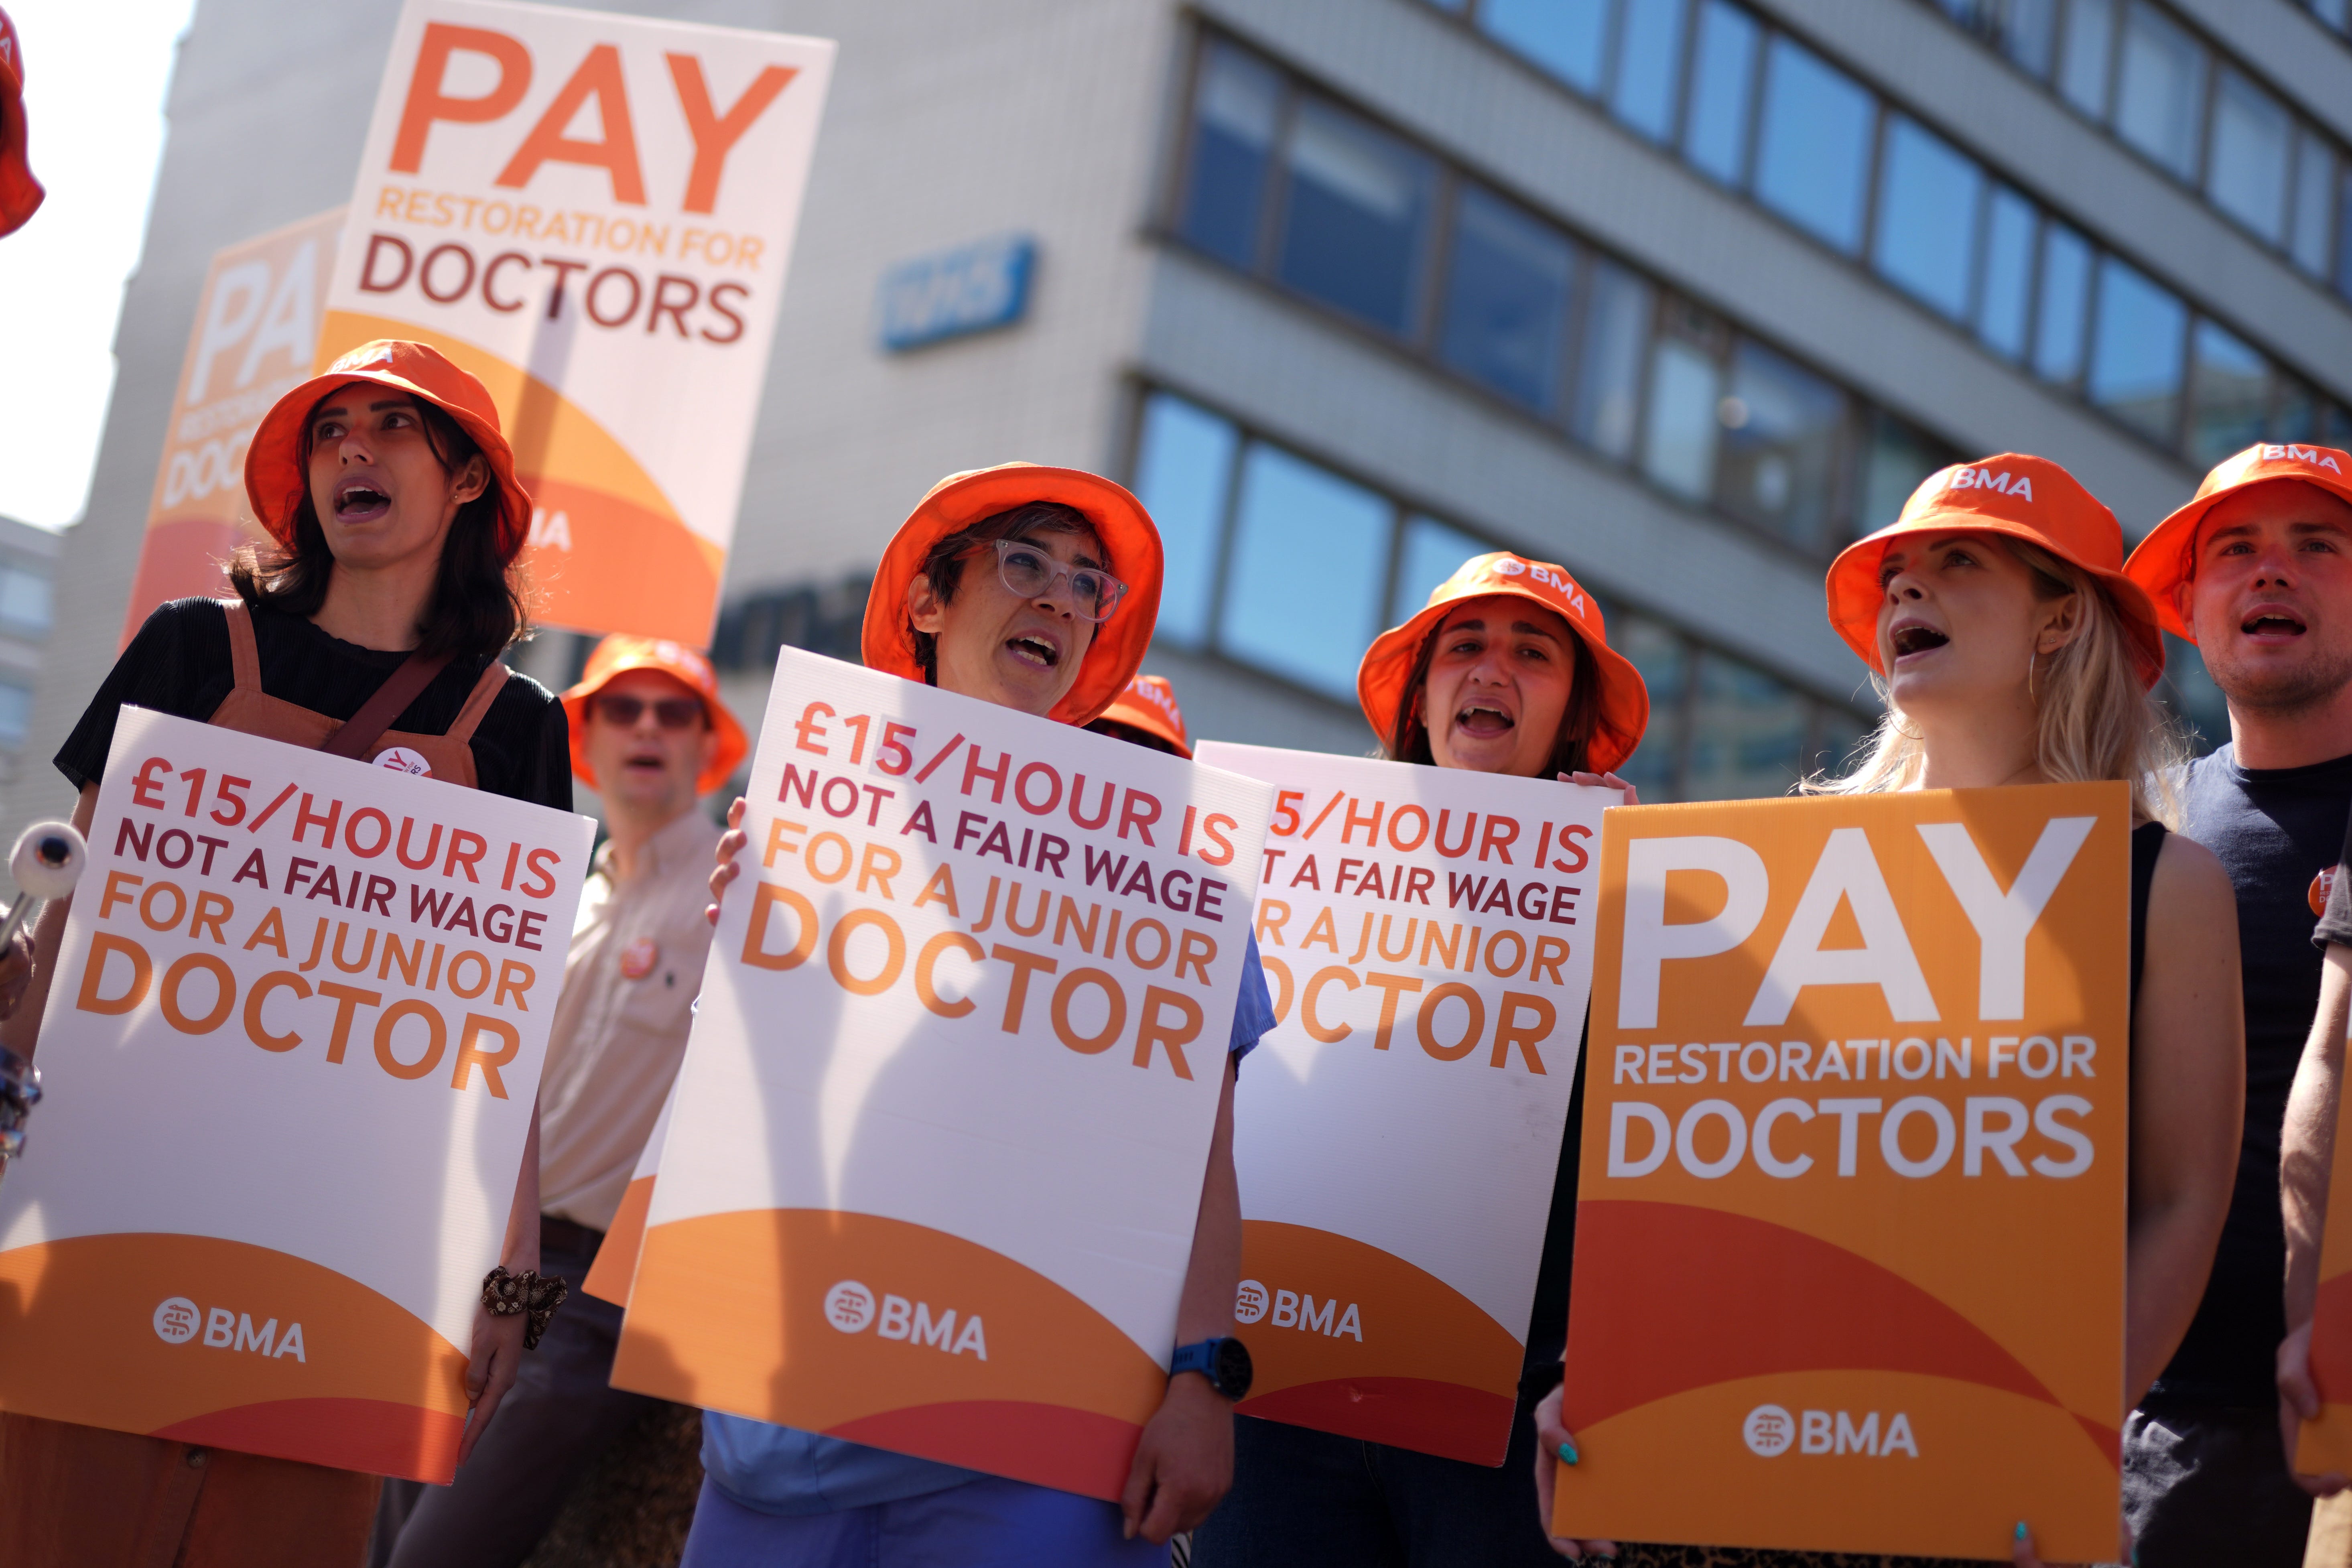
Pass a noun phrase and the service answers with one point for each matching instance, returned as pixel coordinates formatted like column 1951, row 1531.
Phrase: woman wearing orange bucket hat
column 1033, row 588
column 2012, row 649
column 371, row 627
column 1506, row 670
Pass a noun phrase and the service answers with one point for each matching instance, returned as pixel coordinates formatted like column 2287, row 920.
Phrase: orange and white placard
column 290, row 1055
column 255, row 334
column 1427, row 934
column 592, row 212
column 2324, row 1445
column 940, row 1133
column 1850, row 1242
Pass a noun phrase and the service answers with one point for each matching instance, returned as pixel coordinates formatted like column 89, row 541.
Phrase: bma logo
column 1512, row 566
column 2317, row 456
column 178, row 1319
column 851, row 1308
column 1292, row 1309
column 2018, row 485
column 1769, row 1431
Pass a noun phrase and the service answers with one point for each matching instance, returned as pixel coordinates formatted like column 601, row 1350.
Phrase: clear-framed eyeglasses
column 1032, row 574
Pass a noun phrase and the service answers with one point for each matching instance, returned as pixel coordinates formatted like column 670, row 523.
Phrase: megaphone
column 47, row 863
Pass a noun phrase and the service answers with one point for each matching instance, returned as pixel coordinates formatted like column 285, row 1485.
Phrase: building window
column 2247, row 175
column 15, row 714
column 1929, row 198
column 1766, row 114
column 1236, row 111
column 2229, row 395
column 824, row 619
column 2065, row 306
column 1524, row 310
column 1356, row 220
column 1723, row 87
column 1507, row 299
column 1564, row 37
column 1311, row 565
column 2136, row 343
column 1646, row 90
column 2005, row 286
column 1899, row 461
column 1187, row 455
column 24, row 601
column 2160, row 89
column 1812, row 145
column 1783, row 450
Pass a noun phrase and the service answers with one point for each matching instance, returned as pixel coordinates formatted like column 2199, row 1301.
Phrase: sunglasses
column 670, row 712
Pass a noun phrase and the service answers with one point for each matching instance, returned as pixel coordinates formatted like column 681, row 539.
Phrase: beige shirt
column 629, row 985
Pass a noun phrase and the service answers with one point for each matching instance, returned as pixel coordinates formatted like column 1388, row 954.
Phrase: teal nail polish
column 2020, row 1530
column 1567, row 1453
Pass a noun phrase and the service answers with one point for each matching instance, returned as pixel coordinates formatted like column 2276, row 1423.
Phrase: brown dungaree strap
column 486, row 691
column 244, row 659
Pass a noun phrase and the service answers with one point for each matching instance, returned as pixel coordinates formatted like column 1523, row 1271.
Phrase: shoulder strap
column 486, row 691
column 364, row 729
column 2147, row 844
column 244, row 659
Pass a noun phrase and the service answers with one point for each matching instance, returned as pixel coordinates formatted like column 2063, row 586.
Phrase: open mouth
column 358, row 501
column 2273, row 624
column 1484, row 719
column 651, row 762
column 1917, row 638
column 1031, row 648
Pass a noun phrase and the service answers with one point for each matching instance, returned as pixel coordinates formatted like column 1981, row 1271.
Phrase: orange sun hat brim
column 275, row 485
column 1381, row 678
column 617, row 656
column 2015, row 496
column 955, row 503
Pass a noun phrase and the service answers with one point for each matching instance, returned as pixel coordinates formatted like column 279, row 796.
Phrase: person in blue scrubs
column 1035, row 588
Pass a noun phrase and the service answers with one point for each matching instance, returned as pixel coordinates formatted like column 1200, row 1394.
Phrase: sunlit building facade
column 1682, row 294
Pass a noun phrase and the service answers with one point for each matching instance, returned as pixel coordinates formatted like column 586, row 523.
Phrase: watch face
column 1232, row 1372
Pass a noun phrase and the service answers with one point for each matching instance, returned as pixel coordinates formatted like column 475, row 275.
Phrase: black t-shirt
column 2273, row 830
column 1547, row 1324
column 179, row 664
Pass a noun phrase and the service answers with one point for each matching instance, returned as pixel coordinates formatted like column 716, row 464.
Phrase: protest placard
column 942, row 1129
column 291, row 1053
column 255, row 332
column 1427, row 936
column 593, row 213
column 1850, row 1249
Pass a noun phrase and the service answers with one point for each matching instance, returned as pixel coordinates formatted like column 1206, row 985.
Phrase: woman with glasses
column 1035, row 589
column 1507, row 670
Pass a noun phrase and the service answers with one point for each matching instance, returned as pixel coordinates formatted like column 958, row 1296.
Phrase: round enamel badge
column 2321, row 886
column 400, row 759
column 637, row 959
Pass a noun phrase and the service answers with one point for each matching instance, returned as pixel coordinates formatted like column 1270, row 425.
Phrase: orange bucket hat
column 1624, row 701
column 20, row 193
column 276, row 484
column 957, row 502
column 2031, row 499
column 616, row 656
column 2167, row 557
column 1149, row 704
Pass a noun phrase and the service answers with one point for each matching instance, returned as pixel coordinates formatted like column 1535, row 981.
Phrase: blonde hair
column 2097, row 721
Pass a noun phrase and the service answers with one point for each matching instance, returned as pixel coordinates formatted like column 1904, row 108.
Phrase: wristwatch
column 1224, row 1362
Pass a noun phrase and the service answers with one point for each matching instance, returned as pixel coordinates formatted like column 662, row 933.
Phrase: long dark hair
column 478, row 604
column 1408, row 738
column 944, row 565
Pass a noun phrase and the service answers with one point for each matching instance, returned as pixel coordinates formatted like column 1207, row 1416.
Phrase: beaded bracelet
column 508, row 1295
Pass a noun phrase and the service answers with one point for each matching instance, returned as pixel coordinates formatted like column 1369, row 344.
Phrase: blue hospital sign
column 969, row 290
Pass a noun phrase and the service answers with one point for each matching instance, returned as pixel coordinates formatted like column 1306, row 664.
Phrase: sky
column 95, row 77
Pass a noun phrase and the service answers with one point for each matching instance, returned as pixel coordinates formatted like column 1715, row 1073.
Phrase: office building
column 1683, row 294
